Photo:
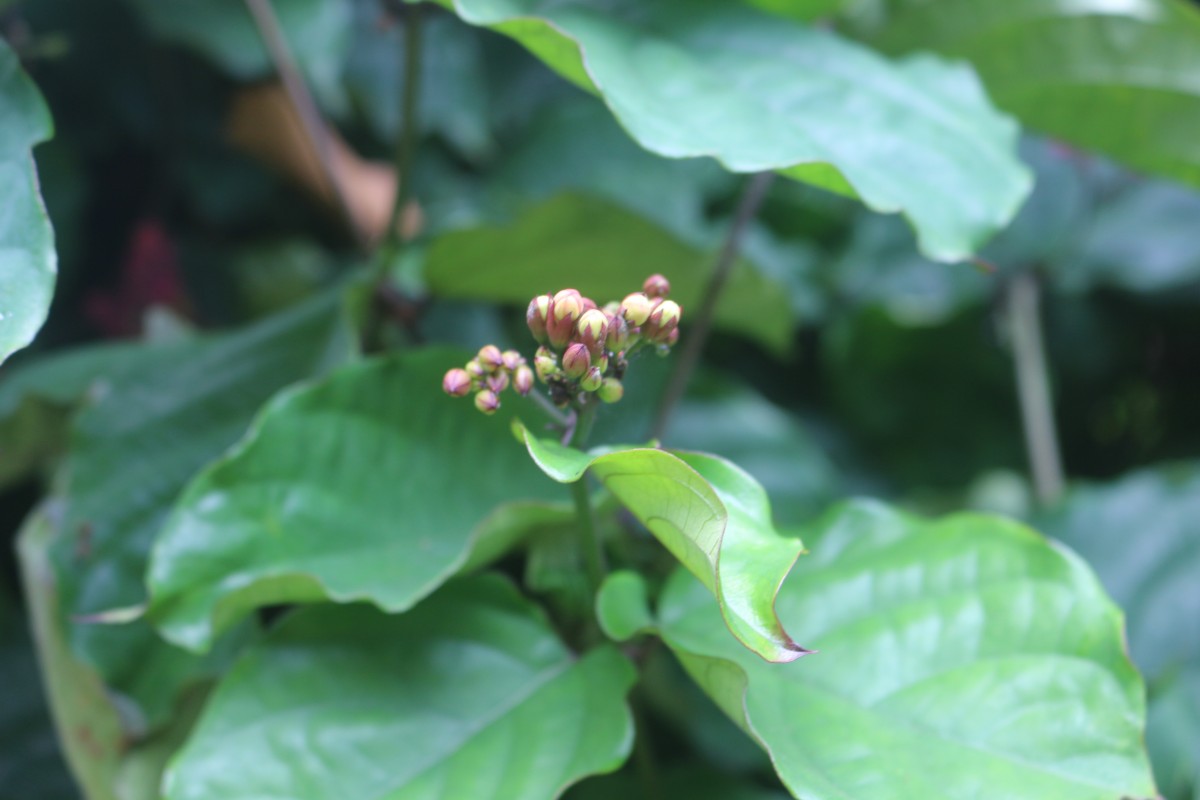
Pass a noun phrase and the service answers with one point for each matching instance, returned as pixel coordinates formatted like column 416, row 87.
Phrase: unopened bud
column 611, row 390
column 656, row 286
column 545, row 363
column 475, row 369
column 636, row 308
column 673, row 337
column 612, row 309
column 588, row 304
column 457, row 383
column 591, row 331
column 592, row 381
column 602, row 363
column 490, row 358
column 523, row 380
column 498, row 382
column 487, row 401
column 663, row 320
column 576, row 361
column 618, row 334
column 565, row 310
column 511, row 359
column 536, row 316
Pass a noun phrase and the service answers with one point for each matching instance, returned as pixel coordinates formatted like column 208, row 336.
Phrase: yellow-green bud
column 663, row 320
column 523, row 380
column 636, row 308
column 490, row 358
column 656, row 286
column 592, row 381
column 546, row 364
column 475, row 369
column 618, row 334
column 611, row 390
column 576, row 361
column 487, row 402
column 457, row 383
column 565, row 310
column 591, row 331
column 536, row 316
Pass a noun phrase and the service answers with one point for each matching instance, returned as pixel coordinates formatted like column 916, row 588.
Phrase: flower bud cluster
column 584, row 348
column 488, row 374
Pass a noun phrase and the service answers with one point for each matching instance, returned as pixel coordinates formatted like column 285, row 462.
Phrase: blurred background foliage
column 845, row 362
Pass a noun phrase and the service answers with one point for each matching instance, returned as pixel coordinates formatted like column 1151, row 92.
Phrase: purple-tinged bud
column 475, row 369
column 636, row 308
column 490, row 358
column 618, row 334
column 656, row 286
column 592, row 380
column 588, row 304
column 602, row 363
column 536, row 316
column 457, row 383
column 546, row 364
column 591, row 331
column 673, row 337
column 523, row 380
column 576, row 361
column 498, row 382
column 612, row 309
column 611, row 390
column 566, row 309
column 511, row 359
column 487, row 402
column 663, row 320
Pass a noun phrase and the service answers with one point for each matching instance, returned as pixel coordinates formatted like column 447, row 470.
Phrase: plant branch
column 306, row 108
column 593, row 552
column 1033, row 387
column 701, row 321
column 406, row 148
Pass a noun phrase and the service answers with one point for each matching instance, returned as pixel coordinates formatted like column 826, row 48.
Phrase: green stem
column 645, row 763
column 593, row 552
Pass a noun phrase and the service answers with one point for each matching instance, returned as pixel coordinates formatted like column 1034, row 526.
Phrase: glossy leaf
column 963, row 658
column 710, row 515
column 622, row 608
column 610, row 251
column 151, row 427
column 759, row 92
column 351, row 489
column 28, row 262
column 468, row 695
column 1122, row 78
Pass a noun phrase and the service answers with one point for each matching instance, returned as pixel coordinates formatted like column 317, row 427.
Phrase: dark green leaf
column 710, row 515
column 757, row 92
column 965, row 658
column 1120, row 78
column 371, row 484
column 469, row 695
column 1173, row 735
column 28, row 263
column 152, row 426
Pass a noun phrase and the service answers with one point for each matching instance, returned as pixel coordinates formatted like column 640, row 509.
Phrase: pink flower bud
column 511, row 359
column 618, row 334
column 487, row 402
column 663, row 319
column 457, row 383
column 523, row 380
column 611, row 390
column 565, row 310
column 636, row 308
column 576, row 361
column 591, row 331
column 656, row 286
column 490, row 358
column 536, row 316
column 498, row 382
column 673, row 337
column 592, row 380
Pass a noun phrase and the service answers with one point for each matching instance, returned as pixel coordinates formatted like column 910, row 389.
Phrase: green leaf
column 610, row 251
column 622, row 607
column 1120, row 78
column 28, row 262
column 468, row 695
column 710, row 515
column 153, row 425
column 370, row 485
column 317, row 33
column 1142, row 536
column 758, row 92
column 962, row 658
column 1173, row 735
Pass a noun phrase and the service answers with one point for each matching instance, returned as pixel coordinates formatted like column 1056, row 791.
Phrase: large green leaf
column 604, row 251
column 965, row 658
column 1122, row 78
column 27, row 258
column 1173, row 735
column 372, row 484
column 710, row 515
column 153, row 425
column 689, row 78
column 469, row 695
